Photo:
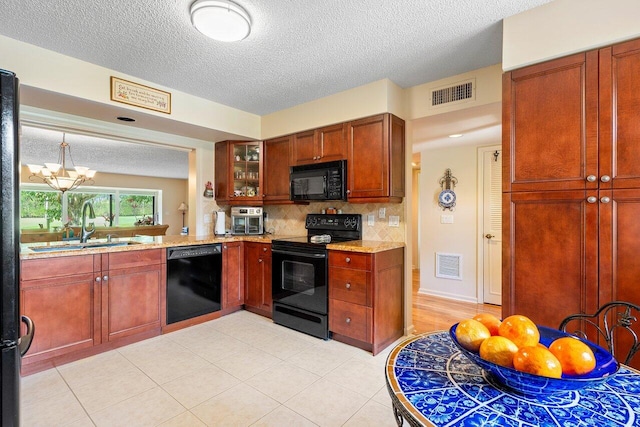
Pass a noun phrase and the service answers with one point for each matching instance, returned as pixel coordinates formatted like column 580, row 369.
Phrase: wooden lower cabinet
column 82, row 305
column 549, row 251
column 258, row 297
column 366, row 298
column 232, row 276
column 132, row 292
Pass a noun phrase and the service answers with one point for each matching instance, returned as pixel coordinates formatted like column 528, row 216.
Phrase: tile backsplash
column 289, row 219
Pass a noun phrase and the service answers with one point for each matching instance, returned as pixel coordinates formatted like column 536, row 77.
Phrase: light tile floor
column 239, row 370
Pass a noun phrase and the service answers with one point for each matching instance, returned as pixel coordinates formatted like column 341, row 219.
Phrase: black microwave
column 319, row 181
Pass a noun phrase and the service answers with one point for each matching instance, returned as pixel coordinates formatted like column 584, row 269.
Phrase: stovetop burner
column 338, row 228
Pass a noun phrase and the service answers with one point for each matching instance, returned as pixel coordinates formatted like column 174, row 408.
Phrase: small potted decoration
column 208, row 189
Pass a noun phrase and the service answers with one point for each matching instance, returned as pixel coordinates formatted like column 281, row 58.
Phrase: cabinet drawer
column 350, row 260
column 135, row 258
column 349, row 285
column 46, row 268
column 351, row 320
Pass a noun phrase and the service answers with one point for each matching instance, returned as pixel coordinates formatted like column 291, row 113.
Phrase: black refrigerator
column 12, row 345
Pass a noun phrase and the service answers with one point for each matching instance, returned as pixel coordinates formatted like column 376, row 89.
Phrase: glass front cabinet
column 239, row 172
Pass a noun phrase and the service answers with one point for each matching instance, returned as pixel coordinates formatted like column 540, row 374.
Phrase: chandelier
column 56, row 175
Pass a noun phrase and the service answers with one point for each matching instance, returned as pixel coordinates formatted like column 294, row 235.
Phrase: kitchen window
column 44, row 208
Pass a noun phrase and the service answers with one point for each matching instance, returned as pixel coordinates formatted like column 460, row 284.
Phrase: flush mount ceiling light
column 220, row 20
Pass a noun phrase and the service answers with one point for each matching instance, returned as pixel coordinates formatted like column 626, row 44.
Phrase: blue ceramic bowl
column 525, row 383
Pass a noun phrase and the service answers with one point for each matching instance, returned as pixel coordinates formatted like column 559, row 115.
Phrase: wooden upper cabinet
column 275, row 182
column 331, row 142
column 550, row 124
column 238, row 172
column 221, row 172
column 375, row 161
column 320, row 145
column 619, row 122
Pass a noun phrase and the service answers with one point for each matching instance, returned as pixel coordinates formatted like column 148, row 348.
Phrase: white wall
column 457, row 238
column 563, row 27
column 382, row 96
column 51, row 71
column 488, row 90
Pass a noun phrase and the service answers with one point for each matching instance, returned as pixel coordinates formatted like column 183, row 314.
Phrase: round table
column 432, row 384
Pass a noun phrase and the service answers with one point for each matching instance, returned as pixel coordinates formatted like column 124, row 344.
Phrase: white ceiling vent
column 449, row 266
column 463, row 91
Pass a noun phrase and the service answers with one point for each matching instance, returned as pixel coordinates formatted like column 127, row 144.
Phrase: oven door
column 299, row 278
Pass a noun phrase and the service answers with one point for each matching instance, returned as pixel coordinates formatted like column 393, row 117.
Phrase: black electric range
column 300, row 268
column 323, row 229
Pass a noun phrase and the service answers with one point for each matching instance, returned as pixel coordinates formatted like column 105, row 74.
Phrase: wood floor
column 432, row 313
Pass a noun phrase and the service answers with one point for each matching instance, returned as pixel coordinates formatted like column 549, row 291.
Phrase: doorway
column 490, row 224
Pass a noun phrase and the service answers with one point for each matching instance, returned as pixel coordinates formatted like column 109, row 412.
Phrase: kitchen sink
column 79, row 246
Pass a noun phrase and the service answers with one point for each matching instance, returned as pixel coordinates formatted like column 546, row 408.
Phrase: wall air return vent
column 449, row 266
column 460, row 92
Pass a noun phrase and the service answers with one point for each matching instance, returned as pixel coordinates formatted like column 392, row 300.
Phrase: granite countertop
column 156, row 242
column 365, row 246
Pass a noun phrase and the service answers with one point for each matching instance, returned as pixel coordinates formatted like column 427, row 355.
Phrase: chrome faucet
column 85, row 233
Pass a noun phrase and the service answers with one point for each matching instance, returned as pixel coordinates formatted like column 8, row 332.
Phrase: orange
column 470, row 334
column 498, row 350
column 538, row 361
column 520, row 329
column 490, row 321
column 576, row 358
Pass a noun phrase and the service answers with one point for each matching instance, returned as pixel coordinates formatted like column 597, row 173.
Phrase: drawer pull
column 348, row 285
column 260, row 260
column 347, row 260
column 264, row 249
column 348, row 320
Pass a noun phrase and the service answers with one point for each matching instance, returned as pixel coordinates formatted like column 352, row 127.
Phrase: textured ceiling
column 103, row 155
column 298, row 50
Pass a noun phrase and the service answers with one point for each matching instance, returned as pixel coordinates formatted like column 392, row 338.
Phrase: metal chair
column 610, row 321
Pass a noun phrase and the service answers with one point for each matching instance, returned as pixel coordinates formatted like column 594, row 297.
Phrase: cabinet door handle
column 592, row 199
column 105, row 278
column 98, row 279
column 347, row 260
column 260, row 260
column 348, row 320
column 264, row 249
column 605, row 178
column 605, row 199
column 348, row 191
column 348, row 285
column 591, row 178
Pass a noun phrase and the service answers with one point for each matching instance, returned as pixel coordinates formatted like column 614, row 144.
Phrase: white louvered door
column 492, row 227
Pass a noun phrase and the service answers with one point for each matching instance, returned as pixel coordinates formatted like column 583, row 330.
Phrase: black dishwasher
column 194, row 275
